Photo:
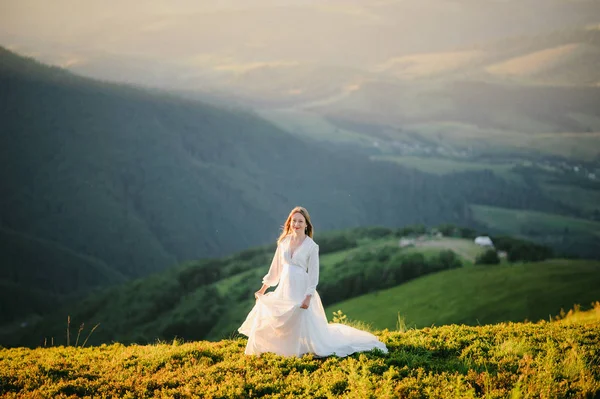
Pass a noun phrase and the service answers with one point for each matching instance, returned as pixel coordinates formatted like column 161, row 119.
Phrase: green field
column 526, row 223
column 209, row 299
column 465, row 248
column 444, row 166
column 518, row 360
column 492, row 361
column 482, row 294
column 586, row 200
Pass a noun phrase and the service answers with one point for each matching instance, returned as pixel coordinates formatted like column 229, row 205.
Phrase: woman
column 290, row 321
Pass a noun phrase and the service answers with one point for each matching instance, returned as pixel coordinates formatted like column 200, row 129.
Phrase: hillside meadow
column 517, row 360
column 164, row 305
column 480, row 295
column 574, row 236
column 208, row 299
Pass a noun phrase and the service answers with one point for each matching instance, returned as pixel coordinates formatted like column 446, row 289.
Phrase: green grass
column 547, row 359
column 444, row 166
column 568, row 236
column 482, row 294
column 586, row 200
column 330, row 259
column 465, row 248
column 225, row 285
column 518, row 221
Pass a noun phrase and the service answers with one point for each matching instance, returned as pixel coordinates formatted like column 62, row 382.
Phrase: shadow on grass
column 435, row 361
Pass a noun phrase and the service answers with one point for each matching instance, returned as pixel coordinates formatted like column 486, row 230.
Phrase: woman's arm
column 272, row 277
column 261, row 291
column 313, row 276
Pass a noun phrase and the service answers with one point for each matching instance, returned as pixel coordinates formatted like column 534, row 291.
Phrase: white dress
column 278, row 324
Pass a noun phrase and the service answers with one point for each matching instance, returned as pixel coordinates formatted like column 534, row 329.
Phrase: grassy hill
column 481, row 295
column 566, row 234
column 547, row 359
column 208, row 299
column 446, row 166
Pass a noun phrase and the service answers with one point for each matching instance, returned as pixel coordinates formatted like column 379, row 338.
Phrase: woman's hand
column 306, row 302
column 261, row 291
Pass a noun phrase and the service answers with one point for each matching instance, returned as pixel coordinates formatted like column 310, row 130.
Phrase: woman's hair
column 286, row 228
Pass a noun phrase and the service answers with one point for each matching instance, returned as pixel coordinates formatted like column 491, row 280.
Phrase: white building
column 484, row 241
column 406, row 242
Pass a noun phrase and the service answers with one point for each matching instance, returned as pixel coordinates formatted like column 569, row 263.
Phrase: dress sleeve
column 272, row 278
column 313, row 271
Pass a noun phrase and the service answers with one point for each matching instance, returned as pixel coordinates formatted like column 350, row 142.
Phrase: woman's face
column 298, row 223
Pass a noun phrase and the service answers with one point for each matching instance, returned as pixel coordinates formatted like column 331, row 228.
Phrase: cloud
column 241, row 68
column 352, row 10
column 71, row 62
column 157, row 25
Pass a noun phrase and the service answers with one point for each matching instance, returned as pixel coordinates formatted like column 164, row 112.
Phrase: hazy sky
column 216, row 36
column 102, row 23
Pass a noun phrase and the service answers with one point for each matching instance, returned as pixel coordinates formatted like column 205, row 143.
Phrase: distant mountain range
column 510, row 91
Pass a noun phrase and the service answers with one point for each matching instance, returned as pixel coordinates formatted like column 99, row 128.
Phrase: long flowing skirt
column 278, row 324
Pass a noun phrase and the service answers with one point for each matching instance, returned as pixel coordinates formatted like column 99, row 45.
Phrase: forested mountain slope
column 142, row 180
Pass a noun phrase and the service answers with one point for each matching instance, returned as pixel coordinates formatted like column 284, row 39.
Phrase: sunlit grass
column 546, row 359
